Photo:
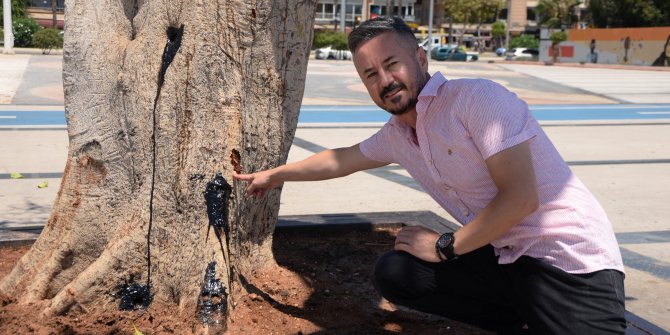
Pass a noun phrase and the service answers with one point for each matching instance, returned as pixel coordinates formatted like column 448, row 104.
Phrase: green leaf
column 43, row 184
column 15, row 175
column 136, row 331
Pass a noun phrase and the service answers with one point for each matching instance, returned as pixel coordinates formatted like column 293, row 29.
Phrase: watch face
column 444, row 241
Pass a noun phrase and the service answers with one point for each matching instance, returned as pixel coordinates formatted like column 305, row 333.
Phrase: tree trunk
column 54, row 18
column 160, row 97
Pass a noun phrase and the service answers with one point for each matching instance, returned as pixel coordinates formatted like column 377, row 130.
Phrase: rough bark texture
column 131, row 211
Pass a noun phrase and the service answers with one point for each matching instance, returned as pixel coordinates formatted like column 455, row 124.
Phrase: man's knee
column 397, row 276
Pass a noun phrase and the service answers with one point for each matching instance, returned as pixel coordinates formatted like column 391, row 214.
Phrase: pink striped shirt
column 461, row 123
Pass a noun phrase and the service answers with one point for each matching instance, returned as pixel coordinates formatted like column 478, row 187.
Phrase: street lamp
column 430, row 28
column 9, row 36
column 342, row 15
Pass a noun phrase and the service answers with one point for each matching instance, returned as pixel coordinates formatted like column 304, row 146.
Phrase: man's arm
column 328, row 164
column 512, row 172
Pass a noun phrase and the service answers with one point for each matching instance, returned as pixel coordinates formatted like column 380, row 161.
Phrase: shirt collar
column 433, row 84
column 430, row 90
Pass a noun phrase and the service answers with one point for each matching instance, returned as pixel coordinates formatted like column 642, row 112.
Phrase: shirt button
column 466, row 213
column 430, row 161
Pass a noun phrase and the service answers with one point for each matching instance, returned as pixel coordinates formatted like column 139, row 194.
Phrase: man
column 536, row 250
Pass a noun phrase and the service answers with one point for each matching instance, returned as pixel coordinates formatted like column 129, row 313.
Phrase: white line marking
column 8, row 117
column 653, row 113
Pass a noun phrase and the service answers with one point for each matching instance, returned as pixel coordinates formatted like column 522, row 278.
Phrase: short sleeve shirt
column 460, row 124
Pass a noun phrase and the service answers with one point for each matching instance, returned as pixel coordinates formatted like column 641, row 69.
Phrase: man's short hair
column 377, row 26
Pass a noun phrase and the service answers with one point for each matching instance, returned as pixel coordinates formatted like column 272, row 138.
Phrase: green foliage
column 18, row 10
column 470, row 11
column 629, row 13
column 337, row 40
column 24, row 28
column 559, row 37
column 524, row 41
column 498, row 29
column 557, row 13
column 47, row 39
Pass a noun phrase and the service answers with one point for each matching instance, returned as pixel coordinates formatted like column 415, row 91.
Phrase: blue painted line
column 373, row 114
column 32, row 118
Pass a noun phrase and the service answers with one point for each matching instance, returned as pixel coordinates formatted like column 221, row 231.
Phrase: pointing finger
column 245, row 177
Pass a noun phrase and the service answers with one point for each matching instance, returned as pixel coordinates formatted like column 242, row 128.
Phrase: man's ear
column 423, row 58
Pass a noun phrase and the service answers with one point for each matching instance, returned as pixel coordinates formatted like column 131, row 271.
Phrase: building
column 328, row 11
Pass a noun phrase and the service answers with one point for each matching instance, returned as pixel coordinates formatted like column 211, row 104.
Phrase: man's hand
column 419, row 242
column 259, row 183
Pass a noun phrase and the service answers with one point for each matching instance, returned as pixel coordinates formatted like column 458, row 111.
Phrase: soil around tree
column 320, row 286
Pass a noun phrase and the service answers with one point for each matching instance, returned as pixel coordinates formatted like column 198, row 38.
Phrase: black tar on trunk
column 133, row 296
column 213, row 300
column 216, row 195
column 174, row 36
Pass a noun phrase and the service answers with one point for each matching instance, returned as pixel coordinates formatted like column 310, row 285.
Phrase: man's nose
column 386, row 78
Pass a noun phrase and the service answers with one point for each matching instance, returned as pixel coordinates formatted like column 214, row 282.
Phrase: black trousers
column 476, row 290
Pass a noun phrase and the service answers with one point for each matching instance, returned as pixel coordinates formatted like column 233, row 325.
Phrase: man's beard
column 411, row 102
column 398, row 110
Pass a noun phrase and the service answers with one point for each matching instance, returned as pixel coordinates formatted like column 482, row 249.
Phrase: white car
column 522, row 54
column 330, row 53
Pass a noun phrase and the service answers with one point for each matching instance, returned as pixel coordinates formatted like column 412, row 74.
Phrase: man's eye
column 372, row 75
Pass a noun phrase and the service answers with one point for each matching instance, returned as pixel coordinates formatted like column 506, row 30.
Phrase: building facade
column 328, row 11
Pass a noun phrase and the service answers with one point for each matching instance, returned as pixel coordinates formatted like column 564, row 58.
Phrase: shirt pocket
column 461, row 167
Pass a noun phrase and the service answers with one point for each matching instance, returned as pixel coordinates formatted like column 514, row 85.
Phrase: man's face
column 393, row 71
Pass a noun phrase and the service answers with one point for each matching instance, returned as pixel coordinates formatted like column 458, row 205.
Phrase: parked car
column 522, row 54
column 437, row 42
column 452, row 54
column 330, row 53
column 500, row 51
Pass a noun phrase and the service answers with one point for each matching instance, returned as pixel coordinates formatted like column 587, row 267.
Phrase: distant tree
column 524, row 41
column 498, row 31
column 556, row 39
column 629, row 13
column 54, row 17
column 471, row 11
column 557, row 13
column 18, row 10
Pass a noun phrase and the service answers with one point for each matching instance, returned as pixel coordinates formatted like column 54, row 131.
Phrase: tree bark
column 54, row 18
column 160, row 96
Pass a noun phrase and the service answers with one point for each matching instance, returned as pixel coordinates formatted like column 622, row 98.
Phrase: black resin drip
column 133, row 296
column 174, row 36
column 172, row 45
column 217, row 194
column 213, row 300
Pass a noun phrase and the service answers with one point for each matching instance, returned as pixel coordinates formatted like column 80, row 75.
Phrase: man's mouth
column 391, row 91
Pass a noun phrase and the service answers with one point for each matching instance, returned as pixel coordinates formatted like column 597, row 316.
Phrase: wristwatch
column 444, row 246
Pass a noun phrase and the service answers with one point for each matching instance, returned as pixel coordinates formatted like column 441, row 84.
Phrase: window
column 325, row 11
column 351, row 11
column 46, row 4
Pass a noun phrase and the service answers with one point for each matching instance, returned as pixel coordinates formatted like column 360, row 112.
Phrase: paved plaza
column 625, row 163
